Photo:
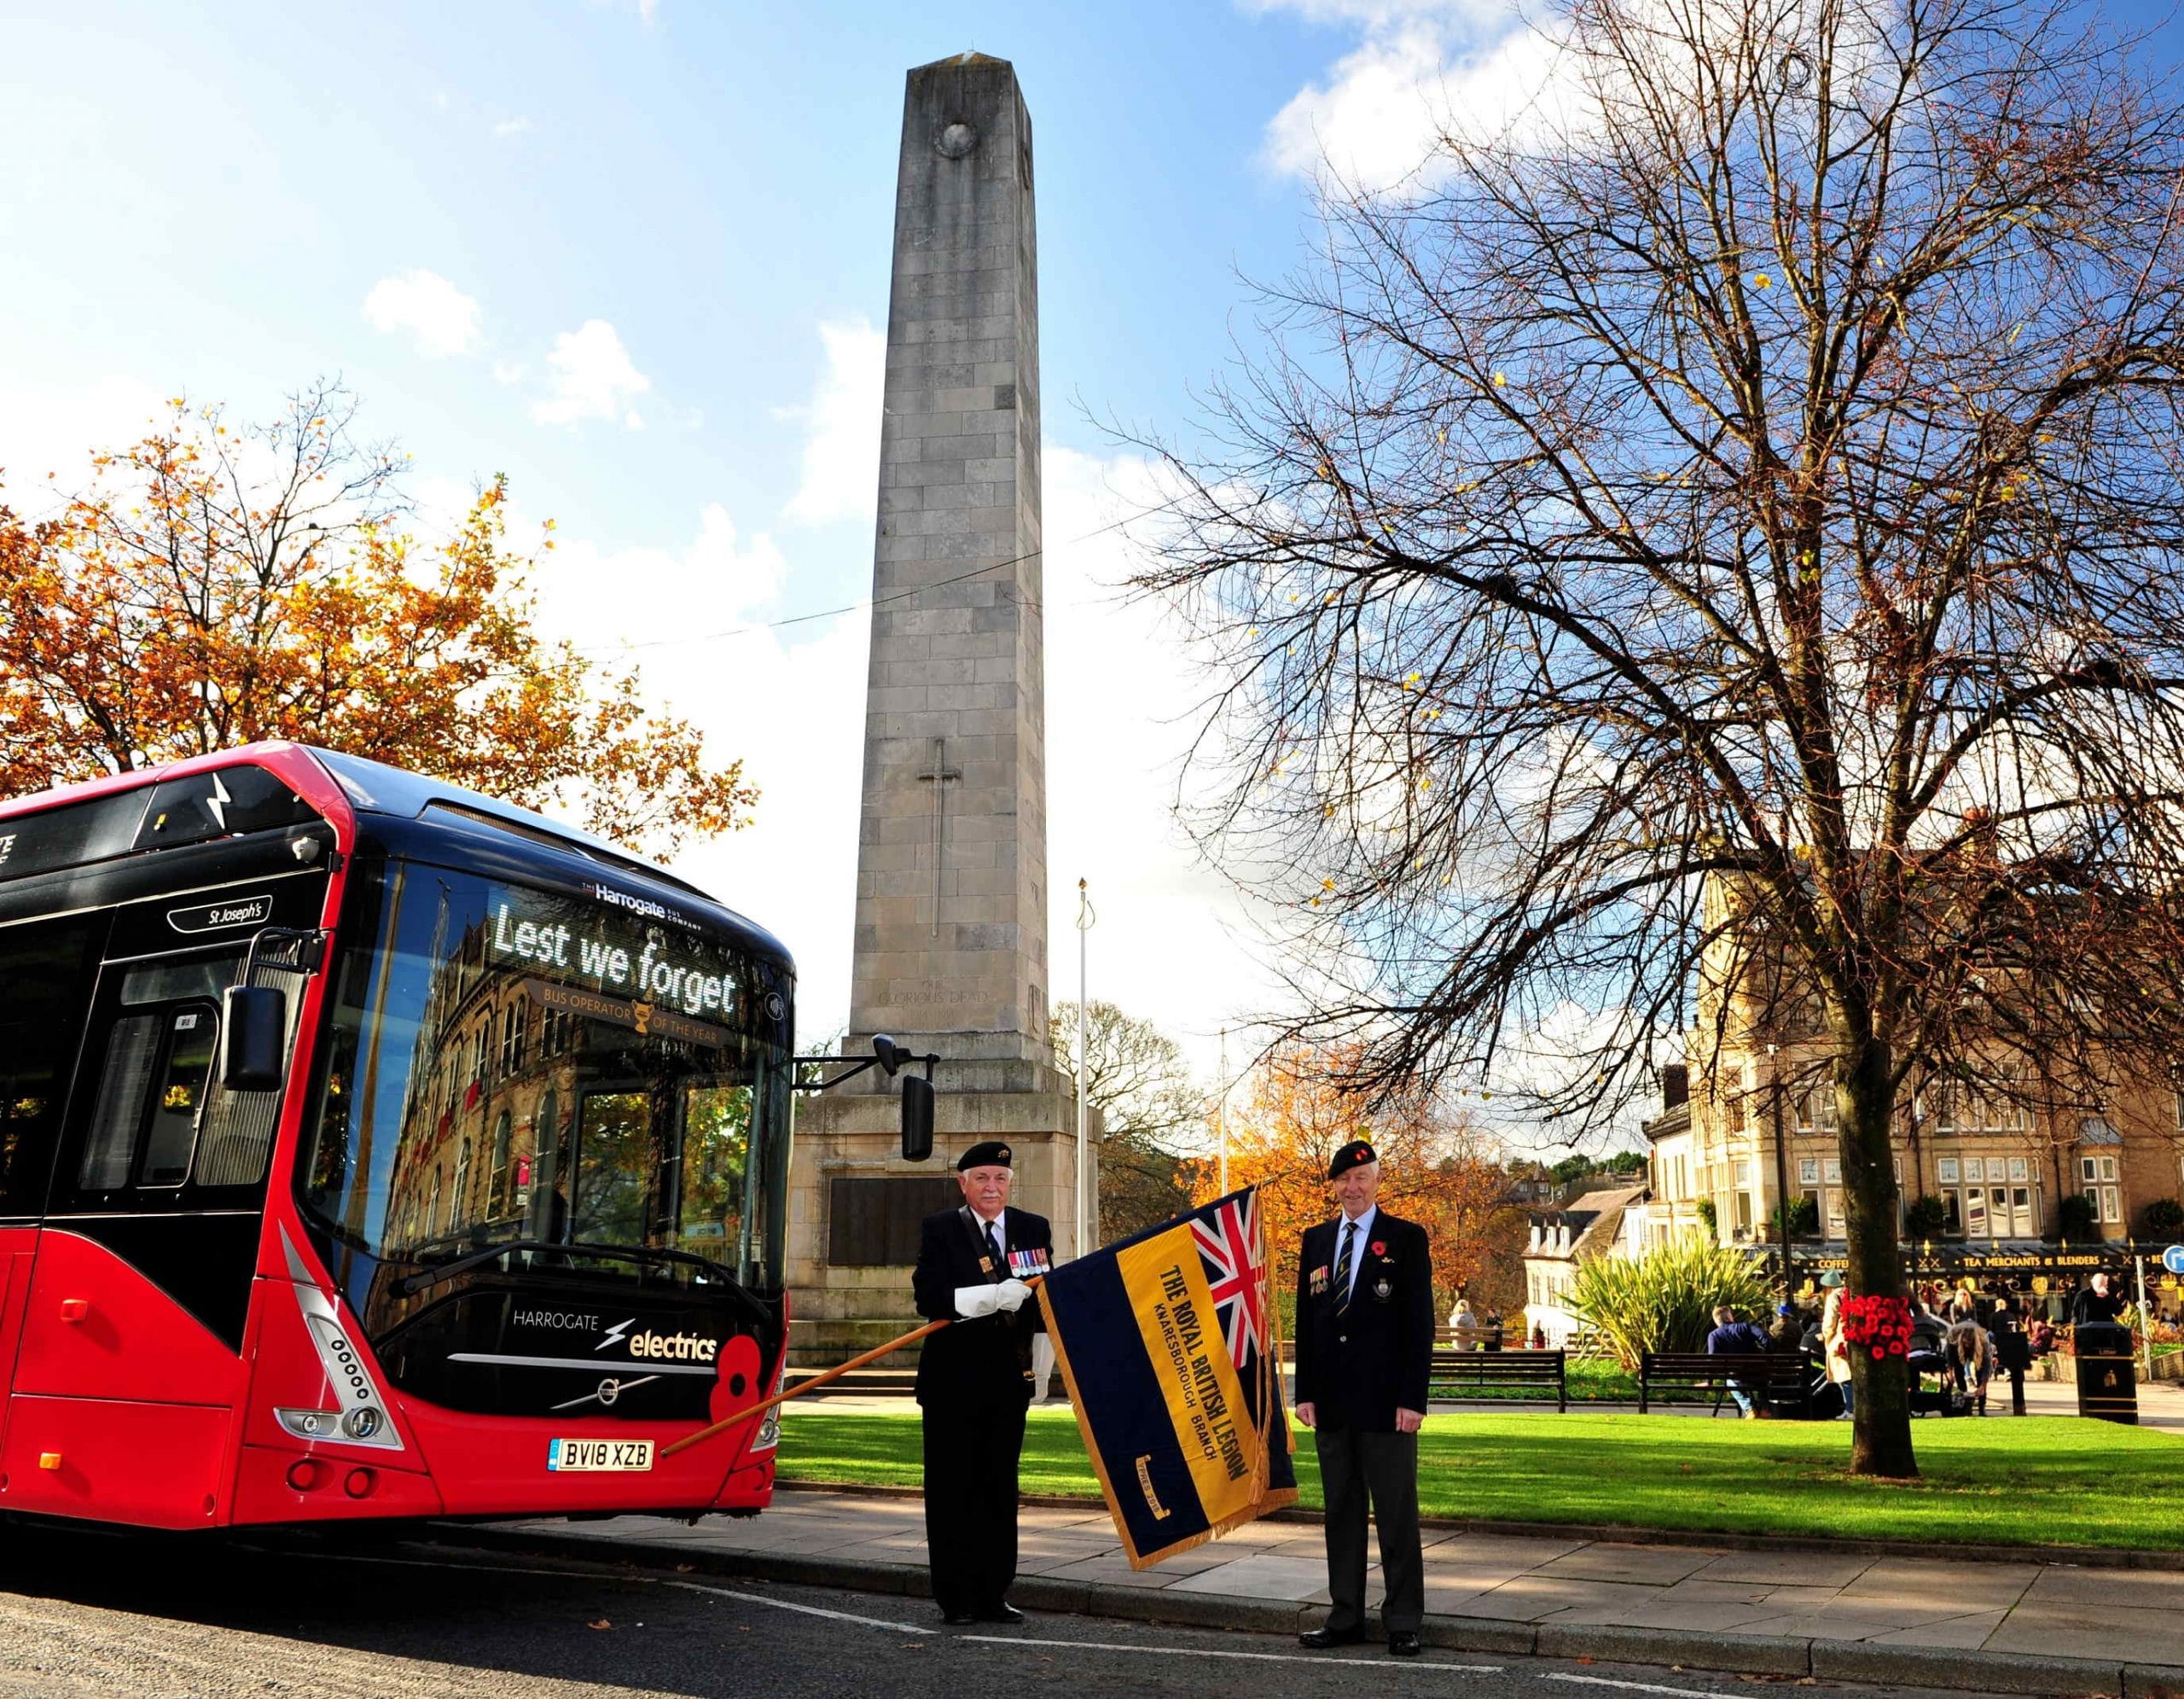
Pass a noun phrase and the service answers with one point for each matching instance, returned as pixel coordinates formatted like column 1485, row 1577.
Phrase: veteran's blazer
column 988, row 1359
column 1360, row 1367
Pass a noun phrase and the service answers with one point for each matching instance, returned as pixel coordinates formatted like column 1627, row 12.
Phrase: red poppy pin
column 1379, row 1248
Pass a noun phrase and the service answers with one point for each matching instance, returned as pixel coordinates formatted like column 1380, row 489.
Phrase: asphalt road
column 304, row 1618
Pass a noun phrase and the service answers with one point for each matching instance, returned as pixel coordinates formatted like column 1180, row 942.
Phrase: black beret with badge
column 990, row 1154
column 1355, row 1155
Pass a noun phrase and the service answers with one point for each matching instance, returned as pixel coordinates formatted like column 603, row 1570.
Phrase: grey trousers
column 1355, row 1466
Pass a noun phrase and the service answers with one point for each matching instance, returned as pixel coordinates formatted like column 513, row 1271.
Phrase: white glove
column 974, row 1301
column 1011, row 1293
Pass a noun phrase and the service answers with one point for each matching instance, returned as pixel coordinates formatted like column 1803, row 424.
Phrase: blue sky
column 636, row 256
column 712, row 181
column 634, row 253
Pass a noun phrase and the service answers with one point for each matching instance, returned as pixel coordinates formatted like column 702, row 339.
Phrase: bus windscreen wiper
column 447, row 1270
column 418, row 1281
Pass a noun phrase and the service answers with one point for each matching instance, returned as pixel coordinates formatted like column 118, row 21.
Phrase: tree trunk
column 1880, row 1430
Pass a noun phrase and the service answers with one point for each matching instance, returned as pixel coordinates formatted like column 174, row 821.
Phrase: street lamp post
column 1781, row 1168
column 1221, row 1114
column 1085, row 920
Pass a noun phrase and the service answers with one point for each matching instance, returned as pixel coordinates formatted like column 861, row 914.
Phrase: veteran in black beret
column 1364, row 1352
column 974, row 1380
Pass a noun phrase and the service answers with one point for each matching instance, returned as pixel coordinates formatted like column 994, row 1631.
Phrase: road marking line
column 933, row 1632
column 1217, row 1652
column 802, row 1610
column 324, row 1557
column 1637, row 1686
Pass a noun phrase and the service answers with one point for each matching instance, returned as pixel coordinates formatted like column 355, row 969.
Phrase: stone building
column 1995, row 1167
column 1611, row 1222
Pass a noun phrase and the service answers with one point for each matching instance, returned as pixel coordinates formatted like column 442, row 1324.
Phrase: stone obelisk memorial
column 950, row 951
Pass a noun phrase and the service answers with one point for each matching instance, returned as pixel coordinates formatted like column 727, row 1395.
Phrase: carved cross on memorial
column 939, row 779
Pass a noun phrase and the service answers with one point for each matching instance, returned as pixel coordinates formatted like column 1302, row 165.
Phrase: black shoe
column 958, row 1619
column 1003, row 1612
column 1402, row 1643
column 1324, row 1639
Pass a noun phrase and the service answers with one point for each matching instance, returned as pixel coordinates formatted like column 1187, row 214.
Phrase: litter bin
column 2108, row 1379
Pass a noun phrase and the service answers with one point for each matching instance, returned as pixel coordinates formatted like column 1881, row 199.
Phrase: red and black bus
column 371, row 1148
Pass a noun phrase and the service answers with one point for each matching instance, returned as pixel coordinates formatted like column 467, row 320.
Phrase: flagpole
column 1085, row 922
column 1220, row 1112
column 816, row 1382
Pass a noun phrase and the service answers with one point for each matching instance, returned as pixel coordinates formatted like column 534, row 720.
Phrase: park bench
column 1775, row 1380
column 1541, row 1371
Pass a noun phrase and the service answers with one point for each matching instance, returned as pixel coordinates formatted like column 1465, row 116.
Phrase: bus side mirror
column 254, row 1037
column 917, row 1119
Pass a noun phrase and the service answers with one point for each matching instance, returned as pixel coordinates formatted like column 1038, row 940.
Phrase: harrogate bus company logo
column 645, row 906
column 558, row 1321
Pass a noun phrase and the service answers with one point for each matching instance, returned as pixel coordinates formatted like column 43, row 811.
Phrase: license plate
column 596, row 1456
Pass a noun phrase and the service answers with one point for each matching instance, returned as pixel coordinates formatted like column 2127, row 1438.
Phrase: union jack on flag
column 1236, row 1269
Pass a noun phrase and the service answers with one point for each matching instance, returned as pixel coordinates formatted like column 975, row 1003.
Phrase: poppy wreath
column 1880, row 1325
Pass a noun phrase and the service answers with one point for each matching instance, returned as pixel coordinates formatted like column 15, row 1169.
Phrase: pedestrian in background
column 1835, row 1352
column 1968, row 1356
column 1733, row 1338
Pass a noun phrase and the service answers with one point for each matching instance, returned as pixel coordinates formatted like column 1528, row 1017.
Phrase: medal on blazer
column 1022, row 1265
column 1319, row 1280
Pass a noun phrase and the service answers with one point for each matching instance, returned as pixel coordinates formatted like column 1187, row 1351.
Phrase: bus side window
column 46, row 988
column 130, row 1054
column 151, row 1100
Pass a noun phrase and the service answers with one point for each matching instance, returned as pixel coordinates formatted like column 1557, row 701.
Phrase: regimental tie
column 1342, row 1267
column 1000, row 1272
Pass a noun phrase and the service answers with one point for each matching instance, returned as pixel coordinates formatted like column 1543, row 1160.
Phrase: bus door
column 131, row 1366
column 47, row 969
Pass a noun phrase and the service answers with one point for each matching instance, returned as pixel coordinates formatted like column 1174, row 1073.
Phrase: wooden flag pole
column 811, row 1385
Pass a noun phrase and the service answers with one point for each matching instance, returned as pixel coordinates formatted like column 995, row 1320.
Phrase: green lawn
column 2010, row 1481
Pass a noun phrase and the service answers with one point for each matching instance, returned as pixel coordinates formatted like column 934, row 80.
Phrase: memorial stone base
column 838, row 1309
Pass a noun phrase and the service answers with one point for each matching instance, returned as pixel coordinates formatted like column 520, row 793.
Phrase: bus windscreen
column 511, row 1065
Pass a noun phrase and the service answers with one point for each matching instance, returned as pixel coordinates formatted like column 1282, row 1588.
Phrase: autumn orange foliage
column 214, row 586
column 1435, row 1168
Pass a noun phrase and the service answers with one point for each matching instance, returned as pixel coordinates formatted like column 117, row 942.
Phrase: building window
column 1952, row 1210
column 2018, row 1170
column 497, row 1175
column 1816, row 1110
column 1970, row 1108
column 1946, row 1172
column 1809, row 1171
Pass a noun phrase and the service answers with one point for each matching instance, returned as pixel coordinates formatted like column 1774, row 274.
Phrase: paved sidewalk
column 1999, row 1627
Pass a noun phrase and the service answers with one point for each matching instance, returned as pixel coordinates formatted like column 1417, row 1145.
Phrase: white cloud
column 789, row 704
column 841, row 452
column 1123, row 701
column 48, row 432
column 439, row 318
column 1375, row 120
column 594, row 378
column 1421, row 69
column 512, row 126
column 509, row 371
